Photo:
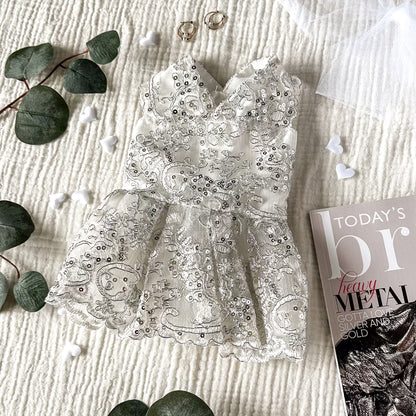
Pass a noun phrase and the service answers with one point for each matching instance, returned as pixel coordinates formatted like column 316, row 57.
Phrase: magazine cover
column 367, row 262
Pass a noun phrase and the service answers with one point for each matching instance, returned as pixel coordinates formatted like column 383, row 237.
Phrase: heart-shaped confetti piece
column 108, row 144
column 70, row 350
column 87, row 115
column 61, row 311
column 334, row 145
column 151, row 39
column 56, row 200
column 343, row 172
column 81, row 195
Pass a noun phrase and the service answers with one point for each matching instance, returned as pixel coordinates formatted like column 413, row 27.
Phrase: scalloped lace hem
column 244, row 351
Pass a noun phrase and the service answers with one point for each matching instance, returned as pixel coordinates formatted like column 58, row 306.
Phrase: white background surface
column 33, row 379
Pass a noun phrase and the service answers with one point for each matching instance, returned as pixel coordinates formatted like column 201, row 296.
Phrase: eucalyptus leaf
column 180, row 403
column 16, row 225
column 42, row 116
column 130, row 408
column 84, row 76
column 104, row 47
column 30, row 291
column 28, row 62
column 4, row 288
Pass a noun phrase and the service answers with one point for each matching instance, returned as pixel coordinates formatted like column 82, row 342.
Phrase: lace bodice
column 196, row 247
column 227, row 149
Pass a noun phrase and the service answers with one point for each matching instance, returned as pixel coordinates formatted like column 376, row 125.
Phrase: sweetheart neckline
column 255, row 65
column 225, row 89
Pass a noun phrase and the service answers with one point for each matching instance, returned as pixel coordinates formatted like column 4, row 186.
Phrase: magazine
column 367, row 261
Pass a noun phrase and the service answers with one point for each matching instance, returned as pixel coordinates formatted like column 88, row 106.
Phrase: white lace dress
column 196, row 246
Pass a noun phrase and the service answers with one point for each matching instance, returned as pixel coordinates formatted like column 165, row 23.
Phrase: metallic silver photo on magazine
column 367, row 259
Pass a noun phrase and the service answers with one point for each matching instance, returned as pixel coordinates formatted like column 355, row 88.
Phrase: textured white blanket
column 33, row 378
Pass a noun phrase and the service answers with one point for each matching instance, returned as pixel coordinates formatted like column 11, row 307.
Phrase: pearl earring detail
column 187, row 30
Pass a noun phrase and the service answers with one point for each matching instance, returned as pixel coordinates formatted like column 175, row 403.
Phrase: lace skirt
column 145, row 267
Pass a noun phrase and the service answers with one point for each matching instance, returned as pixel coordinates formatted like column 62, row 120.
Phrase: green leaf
column 179, row 403
column 30, row 291
column 28, row 62
column 130, row 408
column 42, row 116
column 16, row 225
column 104, row 47
column 84, row 76
column 4, row 288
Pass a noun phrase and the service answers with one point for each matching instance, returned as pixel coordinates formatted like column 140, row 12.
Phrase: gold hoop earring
column 187, row 30
column 215, row 20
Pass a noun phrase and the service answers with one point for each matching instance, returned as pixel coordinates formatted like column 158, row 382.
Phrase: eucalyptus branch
column 40, row 103
column 41, row 82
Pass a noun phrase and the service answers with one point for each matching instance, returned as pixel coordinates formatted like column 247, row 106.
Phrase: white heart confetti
column 81, row 195
column 108, row 144
column 70, row 350
column 56, row 200
column 151, row 39
column 334, row 145
column 343, row 172
column 87, row 115
column 61, row 311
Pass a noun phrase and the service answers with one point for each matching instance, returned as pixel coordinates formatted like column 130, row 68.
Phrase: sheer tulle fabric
column 371, row 63
column 196, row 245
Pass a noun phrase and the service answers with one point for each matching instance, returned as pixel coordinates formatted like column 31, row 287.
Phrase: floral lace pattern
column 196, row 245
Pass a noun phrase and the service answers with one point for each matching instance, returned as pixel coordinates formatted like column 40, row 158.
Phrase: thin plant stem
column 8, row 261
column 58, row 65
column 41, row 82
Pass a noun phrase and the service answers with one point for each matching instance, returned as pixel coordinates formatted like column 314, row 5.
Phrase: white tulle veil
column 371, row 62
